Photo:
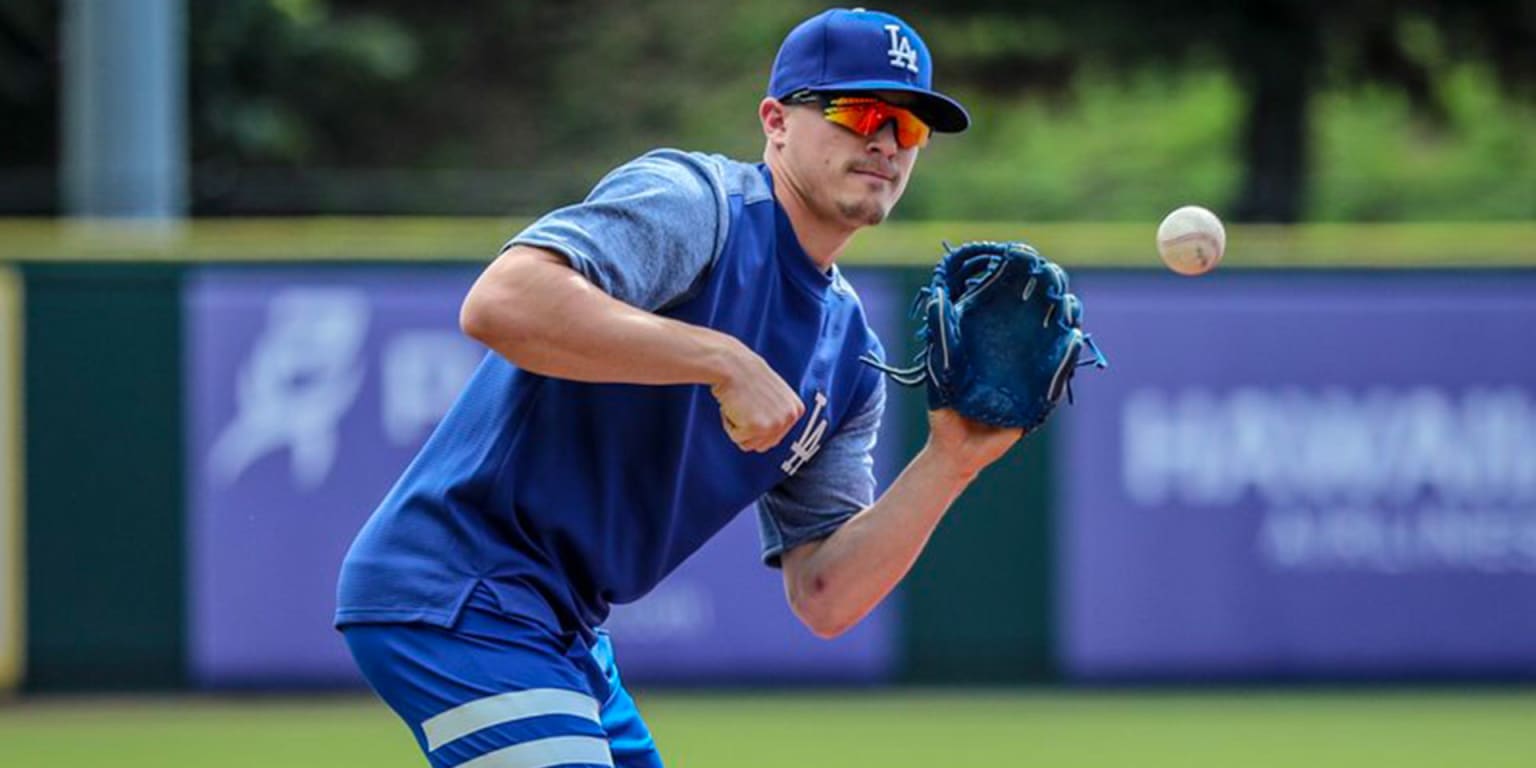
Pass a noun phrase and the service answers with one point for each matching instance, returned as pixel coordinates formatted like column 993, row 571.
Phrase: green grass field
column 892, row 730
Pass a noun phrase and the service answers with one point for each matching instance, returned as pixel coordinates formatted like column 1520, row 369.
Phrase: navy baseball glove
column 1001, row 334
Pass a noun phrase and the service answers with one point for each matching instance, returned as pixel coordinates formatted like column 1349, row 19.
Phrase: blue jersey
column 565, row 497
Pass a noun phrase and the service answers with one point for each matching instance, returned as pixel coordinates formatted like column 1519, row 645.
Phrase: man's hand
column 757, row 408
column 966, row 446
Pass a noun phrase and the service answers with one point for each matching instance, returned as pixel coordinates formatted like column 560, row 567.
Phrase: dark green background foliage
column 1275, row 110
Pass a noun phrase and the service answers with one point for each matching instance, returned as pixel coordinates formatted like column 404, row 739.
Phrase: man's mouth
column 875, row 172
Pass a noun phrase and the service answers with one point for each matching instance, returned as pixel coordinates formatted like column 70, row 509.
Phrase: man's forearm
column 537, row 312
column 834, row 583
column 545, row 317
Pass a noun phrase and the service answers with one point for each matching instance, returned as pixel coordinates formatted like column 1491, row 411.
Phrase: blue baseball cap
column 859, row 50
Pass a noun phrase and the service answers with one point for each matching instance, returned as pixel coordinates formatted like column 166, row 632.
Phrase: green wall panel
column 978, row 606
column 104, row 477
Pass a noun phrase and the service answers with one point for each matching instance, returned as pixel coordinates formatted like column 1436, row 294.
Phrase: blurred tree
column 554, row 90
column 1281, row 52
column 483, row 106
column 29, row 105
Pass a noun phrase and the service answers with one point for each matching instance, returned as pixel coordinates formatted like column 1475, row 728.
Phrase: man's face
column 842, row 175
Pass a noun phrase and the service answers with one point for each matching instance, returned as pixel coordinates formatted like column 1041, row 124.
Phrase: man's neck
column 822, row 240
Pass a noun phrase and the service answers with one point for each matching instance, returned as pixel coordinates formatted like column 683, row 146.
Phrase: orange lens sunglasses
column 865, row 115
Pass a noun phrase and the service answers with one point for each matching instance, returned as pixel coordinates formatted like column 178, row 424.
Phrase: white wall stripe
column 543, row 753
column 504, row 708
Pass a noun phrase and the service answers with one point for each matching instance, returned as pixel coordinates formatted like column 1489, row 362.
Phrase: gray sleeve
column 646, row 233
column 830, row 488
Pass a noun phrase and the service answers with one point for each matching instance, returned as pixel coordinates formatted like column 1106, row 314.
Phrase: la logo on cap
column 903, row 55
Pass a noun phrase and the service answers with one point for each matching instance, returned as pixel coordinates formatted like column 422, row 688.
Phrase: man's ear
column 774, row 117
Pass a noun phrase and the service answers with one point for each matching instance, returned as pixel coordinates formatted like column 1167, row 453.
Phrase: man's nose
column 883, row 140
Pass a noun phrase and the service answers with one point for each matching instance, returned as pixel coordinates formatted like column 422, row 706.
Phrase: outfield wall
column 1302, row 475
column 202, row 439
column 104, row 493
column 309, row 390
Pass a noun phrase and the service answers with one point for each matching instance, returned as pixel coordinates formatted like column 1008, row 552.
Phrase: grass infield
column 901, row 729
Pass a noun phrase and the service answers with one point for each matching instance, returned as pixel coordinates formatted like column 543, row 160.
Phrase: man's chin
column 864, row 213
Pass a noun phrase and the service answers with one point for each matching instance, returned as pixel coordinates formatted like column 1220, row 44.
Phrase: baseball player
column 673, row 349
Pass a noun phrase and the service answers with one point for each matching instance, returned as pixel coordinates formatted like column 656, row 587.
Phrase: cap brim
column 940, row 112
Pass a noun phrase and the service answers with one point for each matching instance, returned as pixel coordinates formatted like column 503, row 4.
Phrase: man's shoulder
column 844, row 295
column 842, row 287
column 847, row 300
column 727, row 177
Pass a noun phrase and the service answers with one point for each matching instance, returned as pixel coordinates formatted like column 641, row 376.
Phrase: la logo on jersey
column 903, row 55
column 810, row 440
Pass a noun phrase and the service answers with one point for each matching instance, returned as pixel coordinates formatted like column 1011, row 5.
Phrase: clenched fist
column 757, row 409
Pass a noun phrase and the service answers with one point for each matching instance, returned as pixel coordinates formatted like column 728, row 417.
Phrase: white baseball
column 1191, row 240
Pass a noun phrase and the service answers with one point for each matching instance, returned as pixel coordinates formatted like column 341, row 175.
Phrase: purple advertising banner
column 1303, row 475
column 309, row 390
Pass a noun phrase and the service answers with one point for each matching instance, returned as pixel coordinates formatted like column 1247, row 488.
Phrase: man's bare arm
column 833, row 583
column 535, row 310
